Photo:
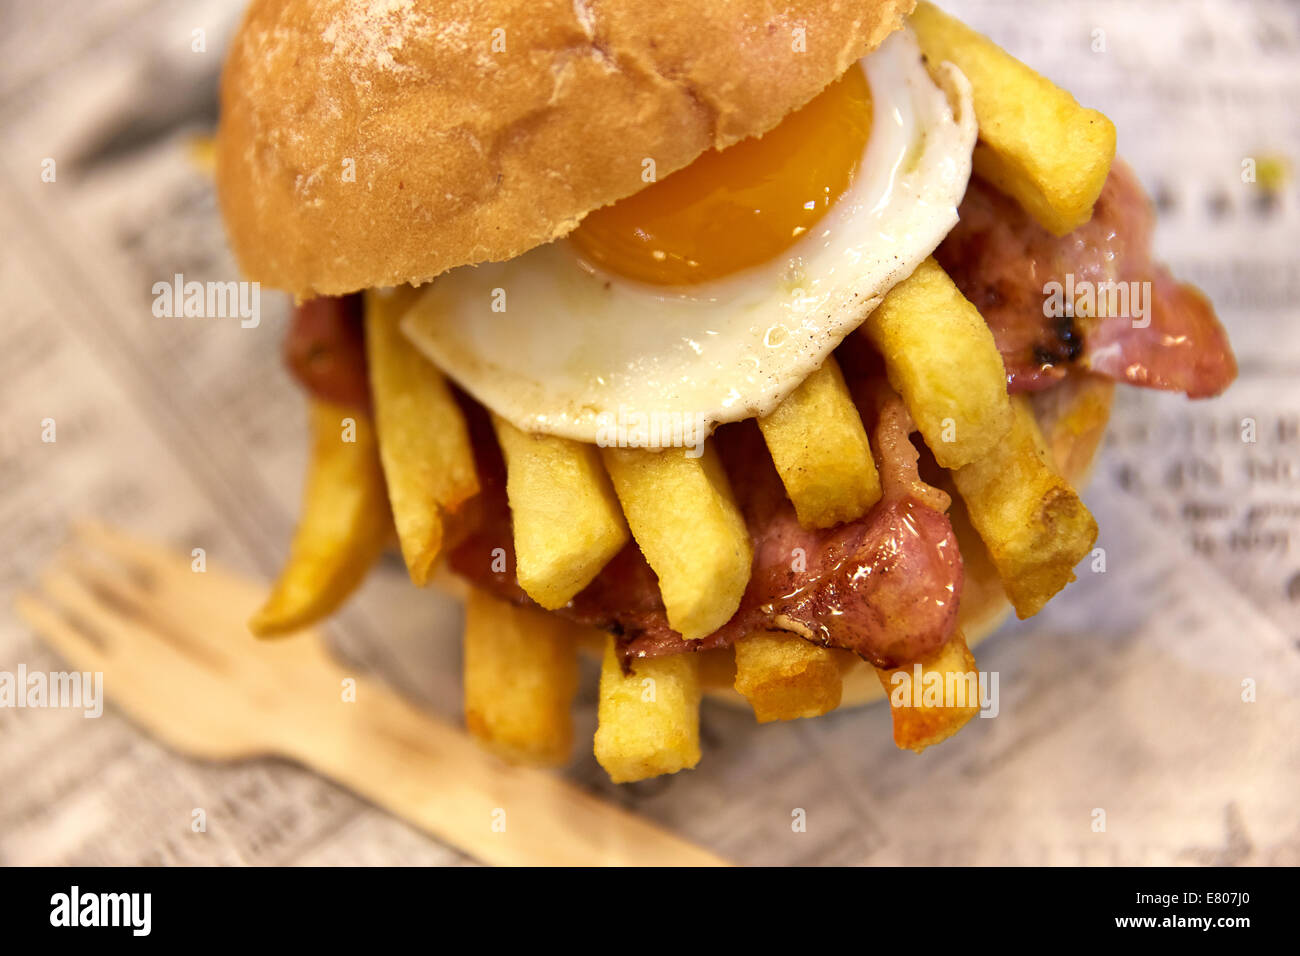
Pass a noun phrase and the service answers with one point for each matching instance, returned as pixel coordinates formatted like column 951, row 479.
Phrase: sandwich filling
column 885, row 586
column 713, row 294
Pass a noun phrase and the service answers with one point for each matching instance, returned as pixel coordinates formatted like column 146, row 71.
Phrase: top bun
column 378, row 142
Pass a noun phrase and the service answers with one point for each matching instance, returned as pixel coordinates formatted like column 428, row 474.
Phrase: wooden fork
column 176, row 656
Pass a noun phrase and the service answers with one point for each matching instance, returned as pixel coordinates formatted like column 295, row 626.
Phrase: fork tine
column 125, row 592
column 117, row 543
column 66, row 634
column 64, row 585
column 125, row 602
column 140, row 559
column 157, row 572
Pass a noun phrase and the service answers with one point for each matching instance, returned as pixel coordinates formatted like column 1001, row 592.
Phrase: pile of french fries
column 574, row 505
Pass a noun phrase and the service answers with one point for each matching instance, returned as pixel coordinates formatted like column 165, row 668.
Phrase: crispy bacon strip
column 1003, row 261
column 325, row 349
column 885, row 586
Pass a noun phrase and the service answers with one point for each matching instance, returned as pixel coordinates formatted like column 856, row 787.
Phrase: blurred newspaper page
column 1147, row 716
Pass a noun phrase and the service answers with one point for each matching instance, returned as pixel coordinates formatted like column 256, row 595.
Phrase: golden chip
column 343, row 527
column 521, row 672
column 567, row 521
column 941, row 359
column 1033, row 523
column 685, row 520
column 1037, row 144
column 785, row 677
column 423, row 441
column 649, row 719
column 819, row 446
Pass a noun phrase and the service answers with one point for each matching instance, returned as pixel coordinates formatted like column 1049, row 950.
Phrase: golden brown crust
column 378, row 142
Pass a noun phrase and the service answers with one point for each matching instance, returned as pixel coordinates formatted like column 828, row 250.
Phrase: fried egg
column 711, row 295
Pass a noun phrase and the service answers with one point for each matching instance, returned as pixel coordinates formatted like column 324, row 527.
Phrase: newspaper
column 1124, row 698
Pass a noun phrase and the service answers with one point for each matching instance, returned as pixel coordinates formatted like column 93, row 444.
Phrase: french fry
column 983, row 596
column 521, row 672
column 567, row 521
column 423, row 441
column 934, row 698
column 941, row 358
column 1033, row 523
column 784, row 677
column 648, row 720
column 685, row 520
column 1037, row 144
column 343, row 527
column 819, row 446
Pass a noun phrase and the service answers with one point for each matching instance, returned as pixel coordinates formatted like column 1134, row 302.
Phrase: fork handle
column 437, row 778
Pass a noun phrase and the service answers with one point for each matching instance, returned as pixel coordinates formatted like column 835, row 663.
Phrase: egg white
column 556, row 345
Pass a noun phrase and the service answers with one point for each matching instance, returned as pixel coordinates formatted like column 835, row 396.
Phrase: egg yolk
column 741, row 206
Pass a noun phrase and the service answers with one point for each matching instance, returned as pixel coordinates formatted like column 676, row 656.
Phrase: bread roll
column 378, row 142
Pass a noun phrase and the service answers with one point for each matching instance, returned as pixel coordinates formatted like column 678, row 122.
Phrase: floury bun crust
column 378, row 142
